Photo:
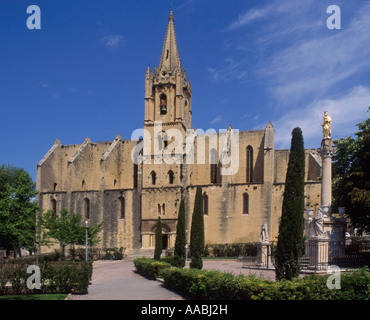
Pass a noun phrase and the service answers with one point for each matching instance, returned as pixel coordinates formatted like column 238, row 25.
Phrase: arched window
column 245, row 203
column 53, row 205
column 83, row 184
column 55, row 187
column 163, row 209
column 87, row 208
column 163, row 104
column 153, row 178
column 171, row 177
column 121, row 207
column 213, row 163
column 249, row 164
column 205, row 204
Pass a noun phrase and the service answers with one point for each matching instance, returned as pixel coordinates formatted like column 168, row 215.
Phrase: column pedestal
column 318, row 251
column 264, row 255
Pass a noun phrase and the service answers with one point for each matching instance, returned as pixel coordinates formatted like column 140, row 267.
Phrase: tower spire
column 170, row 59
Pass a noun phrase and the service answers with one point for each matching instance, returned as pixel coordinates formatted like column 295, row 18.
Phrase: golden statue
column 326, row 126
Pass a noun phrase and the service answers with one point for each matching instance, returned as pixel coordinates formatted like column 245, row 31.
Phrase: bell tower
column 167, row 91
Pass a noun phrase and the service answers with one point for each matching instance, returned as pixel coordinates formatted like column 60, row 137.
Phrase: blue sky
column 249, row 62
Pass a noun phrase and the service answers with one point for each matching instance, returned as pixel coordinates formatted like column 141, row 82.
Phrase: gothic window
column 245, row 203
column 205, row 204
column 122, row 207
column 53, row 205
column 87, row 208
column 213, row 164
column 83, row 184
column 153, row 177
column 55, row 187
column 249, row 160
column 163, row 209
column 159, row 209
column 171, row 177
column 163, row 104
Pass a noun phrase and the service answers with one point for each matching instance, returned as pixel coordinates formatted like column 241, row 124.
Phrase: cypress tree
column 179, row 254
column 197, row 232
column 158, row 240
column 290, row 243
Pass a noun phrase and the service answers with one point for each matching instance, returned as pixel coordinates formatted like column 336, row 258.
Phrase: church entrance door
column 164, row 241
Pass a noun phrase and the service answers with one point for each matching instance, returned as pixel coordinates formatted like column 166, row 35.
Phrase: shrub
column 56, row 276
column 231, row 249
column 215, row 285
column 169, row 259
column 150, row 268
column 112, row 254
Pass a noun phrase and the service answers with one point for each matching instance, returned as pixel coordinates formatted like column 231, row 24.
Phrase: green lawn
column 35, row 297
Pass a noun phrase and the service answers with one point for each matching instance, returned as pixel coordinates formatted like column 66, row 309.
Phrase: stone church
column 128, row 190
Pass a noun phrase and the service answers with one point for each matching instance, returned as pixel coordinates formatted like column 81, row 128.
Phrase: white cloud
column 216, row 119
column 346, row 111
column 44, row 85
column 233, row 70
column 319, row 61
column 304, row 68
column 249, row 16
column 113, row 41
column 271, row 11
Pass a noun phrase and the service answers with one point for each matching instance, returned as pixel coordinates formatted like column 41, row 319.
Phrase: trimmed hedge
column 150, row 268
column 231, row 249
column 215, row 285
column 56, row 276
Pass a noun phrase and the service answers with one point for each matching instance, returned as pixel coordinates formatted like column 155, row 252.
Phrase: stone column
column 326, row 154
column 318, row 251
column 263, row 253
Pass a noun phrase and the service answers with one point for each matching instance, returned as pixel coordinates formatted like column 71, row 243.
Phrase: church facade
column 127, row 184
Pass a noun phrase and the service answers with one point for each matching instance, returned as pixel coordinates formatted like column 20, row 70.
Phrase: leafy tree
column 179, row 254
column 17, row 209
column 197, row 232
column 351, row 176
column 158, row 240
column 68, row 229
column 291, row 229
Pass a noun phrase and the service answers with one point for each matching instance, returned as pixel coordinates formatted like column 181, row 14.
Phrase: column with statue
column 264, row 248
column 327, row 151
column 325, row 231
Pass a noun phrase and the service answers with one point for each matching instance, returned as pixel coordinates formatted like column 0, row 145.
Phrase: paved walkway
column 117, row 280
column 235, row 267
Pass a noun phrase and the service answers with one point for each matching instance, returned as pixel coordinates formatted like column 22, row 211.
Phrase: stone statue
column 318, row 224
column 326, row 126
column 264, row 235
